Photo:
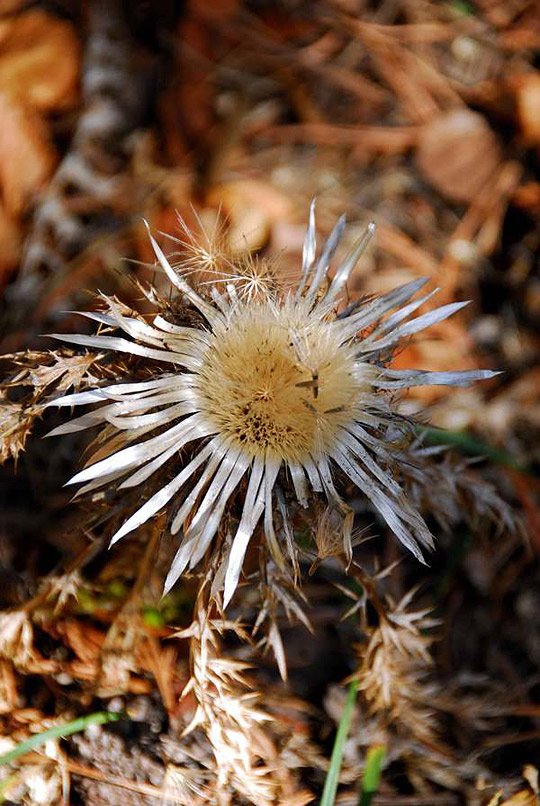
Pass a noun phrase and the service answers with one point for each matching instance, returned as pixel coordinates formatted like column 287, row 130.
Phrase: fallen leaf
column 528, row 106
column 39, row 60
column 27, row 157
column 458, row 153
column 252, row 207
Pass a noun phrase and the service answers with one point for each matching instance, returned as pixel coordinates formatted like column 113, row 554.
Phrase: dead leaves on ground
column 39, row 73
column 39, row 61
column 259, row 113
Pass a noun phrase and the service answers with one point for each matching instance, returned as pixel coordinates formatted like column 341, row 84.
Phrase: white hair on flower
column 273, row 384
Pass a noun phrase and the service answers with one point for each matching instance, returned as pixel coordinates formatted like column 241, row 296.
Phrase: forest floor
column 423, row 117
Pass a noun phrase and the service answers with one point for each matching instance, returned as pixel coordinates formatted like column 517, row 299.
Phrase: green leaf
column 59, row 732
column 332, row 776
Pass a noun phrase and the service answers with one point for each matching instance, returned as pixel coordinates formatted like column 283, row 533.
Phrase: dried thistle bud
column 267, row 387
column 393, row 669
column 228, row 709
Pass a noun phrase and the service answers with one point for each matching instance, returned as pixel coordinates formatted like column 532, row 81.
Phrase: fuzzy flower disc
column 279, row 384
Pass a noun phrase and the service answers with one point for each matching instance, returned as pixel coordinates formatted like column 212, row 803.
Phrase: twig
column 387, row 139
column 123, row 783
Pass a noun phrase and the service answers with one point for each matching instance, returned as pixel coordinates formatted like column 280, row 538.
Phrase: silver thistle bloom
column 274, row 389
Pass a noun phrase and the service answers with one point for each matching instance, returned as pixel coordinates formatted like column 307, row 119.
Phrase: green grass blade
column 332, row 776
column 59, row 732
column 372, row 773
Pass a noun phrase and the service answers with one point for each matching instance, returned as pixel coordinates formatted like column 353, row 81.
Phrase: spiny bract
column 274, row 391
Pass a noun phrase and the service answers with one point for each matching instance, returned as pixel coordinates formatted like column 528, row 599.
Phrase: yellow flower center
column 279, row 383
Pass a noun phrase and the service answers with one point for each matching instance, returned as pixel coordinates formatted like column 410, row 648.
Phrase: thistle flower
column 271, row 397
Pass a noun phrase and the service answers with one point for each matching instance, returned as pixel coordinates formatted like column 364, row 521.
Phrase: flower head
column 263, row 393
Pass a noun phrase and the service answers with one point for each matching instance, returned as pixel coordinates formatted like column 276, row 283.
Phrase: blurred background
column 421, row 116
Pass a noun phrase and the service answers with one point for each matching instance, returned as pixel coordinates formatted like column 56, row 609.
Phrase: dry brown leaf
column 65, row 372
column 528, row 106
column 39, row 60
column 16, row 423
column 84, row 640
column 27, row 158
column 252, row 207
column 162, row 663
column 458, row 153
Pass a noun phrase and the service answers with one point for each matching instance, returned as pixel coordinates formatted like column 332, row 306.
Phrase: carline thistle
column 266, row 399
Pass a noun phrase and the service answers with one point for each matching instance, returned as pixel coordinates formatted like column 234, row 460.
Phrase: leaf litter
column 421, row 117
